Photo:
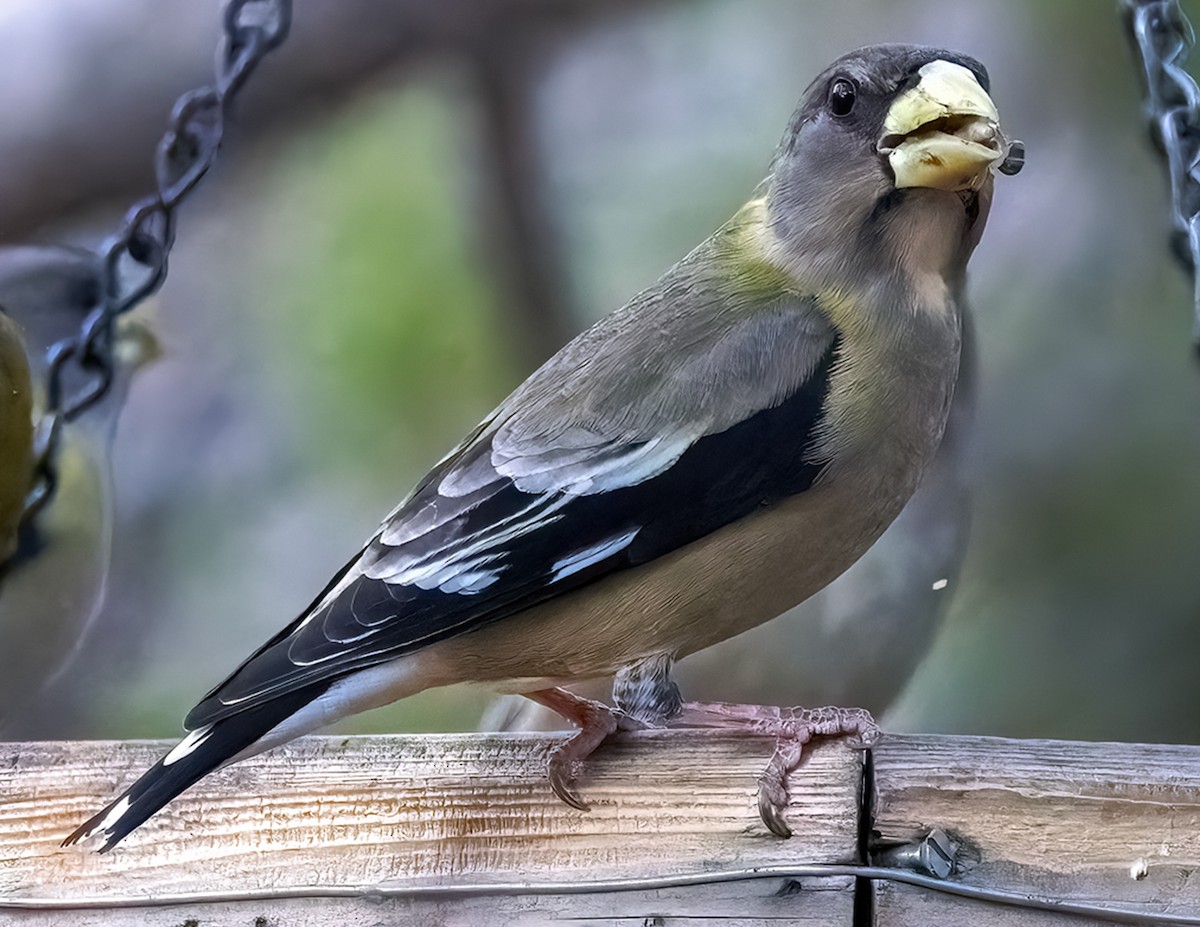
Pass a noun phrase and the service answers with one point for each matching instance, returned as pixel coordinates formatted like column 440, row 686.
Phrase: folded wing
column 622, row 448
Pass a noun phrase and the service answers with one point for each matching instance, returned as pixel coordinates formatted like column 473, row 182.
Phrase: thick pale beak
column 944, row 132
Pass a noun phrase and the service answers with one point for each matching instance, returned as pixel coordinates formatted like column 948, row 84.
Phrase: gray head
column 888, row 157
column 48, row 290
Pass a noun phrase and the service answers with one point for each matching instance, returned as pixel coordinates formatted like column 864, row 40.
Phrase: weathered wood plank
column 1098, row 823
column 448, row 809
column 1113, row 824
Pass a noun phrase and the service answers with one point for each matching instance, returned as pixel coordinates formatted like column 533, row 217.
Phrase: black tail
column 202, row 751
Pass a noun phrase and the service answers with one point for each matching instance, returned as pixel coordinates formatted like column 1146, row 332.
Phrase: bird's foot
column 596, row 722
column 792, row 729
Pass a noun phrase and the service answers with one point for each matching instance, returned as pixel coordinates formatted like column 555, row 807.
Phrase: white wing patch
column 553, row 473
column 453, row 574
column 471, row 582
column 188, row 745
column 107, row 823
column 469, row 564
column 589, row 471
column 582, row 559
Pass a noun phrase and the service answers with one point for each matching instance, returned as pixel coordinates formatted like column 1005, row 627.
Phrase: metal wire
column 385, row 891
column 1163, row 39
column 134, row 260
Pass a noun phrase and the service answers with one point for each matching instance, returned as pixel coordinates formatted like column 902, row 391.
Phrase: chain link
column 133, row 262
column 1163, row 38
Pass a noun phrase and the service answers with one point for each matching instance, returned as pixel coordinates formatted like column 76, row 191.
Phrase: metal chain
column 1163, row 38
column 133, row 262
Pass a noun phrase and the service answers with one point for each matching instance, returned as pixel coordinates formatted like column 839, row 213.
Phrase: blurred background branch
column 520, row 231
column 65, row 147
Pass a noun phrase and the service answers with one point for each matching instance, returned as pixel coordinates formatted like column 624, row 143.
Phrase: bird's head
column 891, row 145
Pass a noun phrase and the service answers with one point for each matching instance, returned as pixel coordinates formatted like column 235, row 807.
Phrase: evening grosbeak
column 701, row 460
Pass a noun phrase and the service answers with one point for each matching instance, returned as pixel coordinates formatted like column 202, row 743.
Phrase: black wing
column 471, row 546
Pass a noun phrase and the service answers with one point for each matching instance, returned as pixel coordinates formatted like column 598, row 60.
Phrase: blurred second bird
column 53, row 585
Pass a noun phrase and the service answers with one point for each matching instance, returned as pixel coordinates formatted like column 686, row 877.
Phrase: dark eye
column 842, row 94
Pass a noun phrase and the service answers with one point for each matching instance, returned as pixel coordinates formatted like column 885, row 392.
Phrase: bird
column 714, row 452
column 53, row 585
column 16, row 432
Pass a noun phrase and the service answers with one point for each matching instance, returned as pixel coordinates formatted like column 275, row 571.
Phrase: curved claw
column 864, row 742
column 793, row 729
column 772, row 783
column 796, row 730
column 597, row 722
column 561, row 770
column 772, row 801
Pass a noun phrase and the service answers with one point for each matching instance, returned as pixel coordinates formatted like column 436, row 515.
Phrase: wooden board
column 387, row 820
column 1097, row 823
column 448, row 810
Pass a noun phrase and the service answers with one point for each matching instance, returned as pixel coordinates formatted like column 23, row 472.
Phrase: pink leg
column 792, row 728
column 596, row 722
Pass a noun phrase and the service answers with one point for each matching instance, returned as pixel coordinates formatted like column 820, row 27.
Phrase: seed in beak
column 1015, row 160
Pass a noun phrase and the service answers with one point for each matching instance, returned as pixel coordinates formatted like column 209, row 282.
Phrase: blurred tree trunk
column 87, row 87
column 518, row 227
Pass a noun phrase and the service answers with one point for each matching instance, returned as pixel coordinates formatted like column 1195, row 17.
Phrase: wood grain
column 1100, row 823
column 445, row 809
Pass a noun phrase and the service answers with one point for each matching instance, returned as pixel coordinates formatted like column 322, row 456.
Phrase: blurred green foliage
column 378, row 294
